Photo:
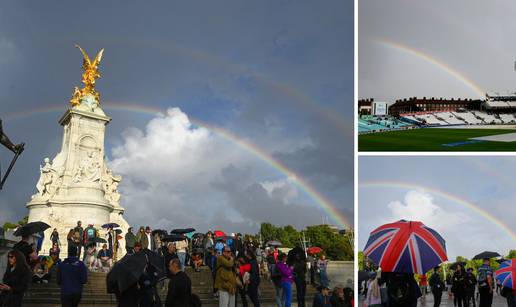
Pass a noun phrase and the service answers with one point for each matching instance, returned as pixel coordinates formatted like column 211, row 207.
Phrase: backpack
column 91, row 233
column 399, row 290
column 482, row 274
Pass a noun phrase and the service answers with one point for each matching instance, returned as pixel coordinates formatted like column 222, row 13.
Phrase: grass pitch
column 434, row 139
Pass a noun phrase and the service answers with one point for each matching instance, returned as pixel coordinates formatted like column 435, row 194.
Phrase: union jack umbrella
column 506, row 273
column 406, row 247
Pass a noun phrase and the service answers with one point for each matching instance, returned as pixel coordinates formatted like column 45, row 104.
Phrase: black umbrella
column 182, row 230
column 126, row 272
column 31, row 228
column 161, row 232
column 173, row 238
column 130, row 268
column 486, row 255
column 110, row 225
column 118, row 231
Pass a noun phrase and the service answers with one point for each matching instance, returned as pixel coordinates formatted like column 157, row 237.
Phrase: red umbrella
column 314, row 250
column 219, row 233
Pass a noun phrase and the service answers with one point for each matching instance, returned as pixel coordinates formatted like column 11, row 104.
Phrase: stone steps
column 95, row 294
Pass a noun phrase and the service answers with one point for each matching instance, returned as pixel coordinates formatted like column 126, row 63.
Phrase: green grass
column 432, row 139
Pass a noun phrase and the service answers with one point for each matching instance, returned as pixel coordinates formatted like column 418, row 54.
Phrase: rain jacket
column 225, row 278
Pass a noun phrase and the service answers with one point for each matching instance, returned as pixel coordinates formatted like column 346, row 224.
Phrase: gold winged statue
column 88, row 78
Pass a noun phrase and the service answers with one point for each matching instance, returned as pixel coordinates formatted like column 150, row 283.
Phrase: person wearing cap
column 322, row 298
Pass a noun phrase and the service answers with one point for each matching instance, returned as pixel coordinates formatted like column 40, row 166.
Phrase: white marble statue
column 111, row 186
column 47, row 175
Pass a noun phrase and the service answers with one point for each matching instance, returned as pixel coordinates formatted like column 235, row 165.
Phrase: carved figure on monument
column 47, row 174
column 111, row 186
column 89, row 169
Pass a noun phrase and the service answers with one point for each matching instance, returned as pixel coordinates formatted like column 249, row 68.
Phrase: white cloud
column 420, row 206
column 178, row 175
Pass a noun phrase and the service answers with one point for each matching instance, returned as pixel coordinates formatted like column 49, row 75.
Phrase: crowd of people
column 461, row 285
column 237, row 268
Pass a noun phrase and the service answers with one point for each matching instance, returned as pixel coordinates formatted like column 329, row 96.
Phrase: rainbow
column 324, row 203
column 453, row 72
column 456, row 199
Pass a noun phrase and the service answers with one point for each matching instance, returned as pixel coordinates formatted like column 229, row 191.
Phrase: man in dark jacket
column 179, row 287
column 71, row 275
column 130, row 240
column 437, row 286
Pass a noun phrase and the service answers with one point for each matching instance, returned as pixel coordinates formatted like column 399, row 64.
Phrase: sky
column 275, row 74
column 468, row 200
column 435, row 48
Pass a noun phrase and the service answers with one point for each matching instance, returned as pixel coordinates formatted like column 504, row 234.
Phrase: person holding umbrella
column 15, row 281
column 506, row 276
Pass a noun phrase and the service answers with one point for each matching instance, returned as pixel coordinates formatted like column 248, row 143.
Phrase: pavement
column 498, row 301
